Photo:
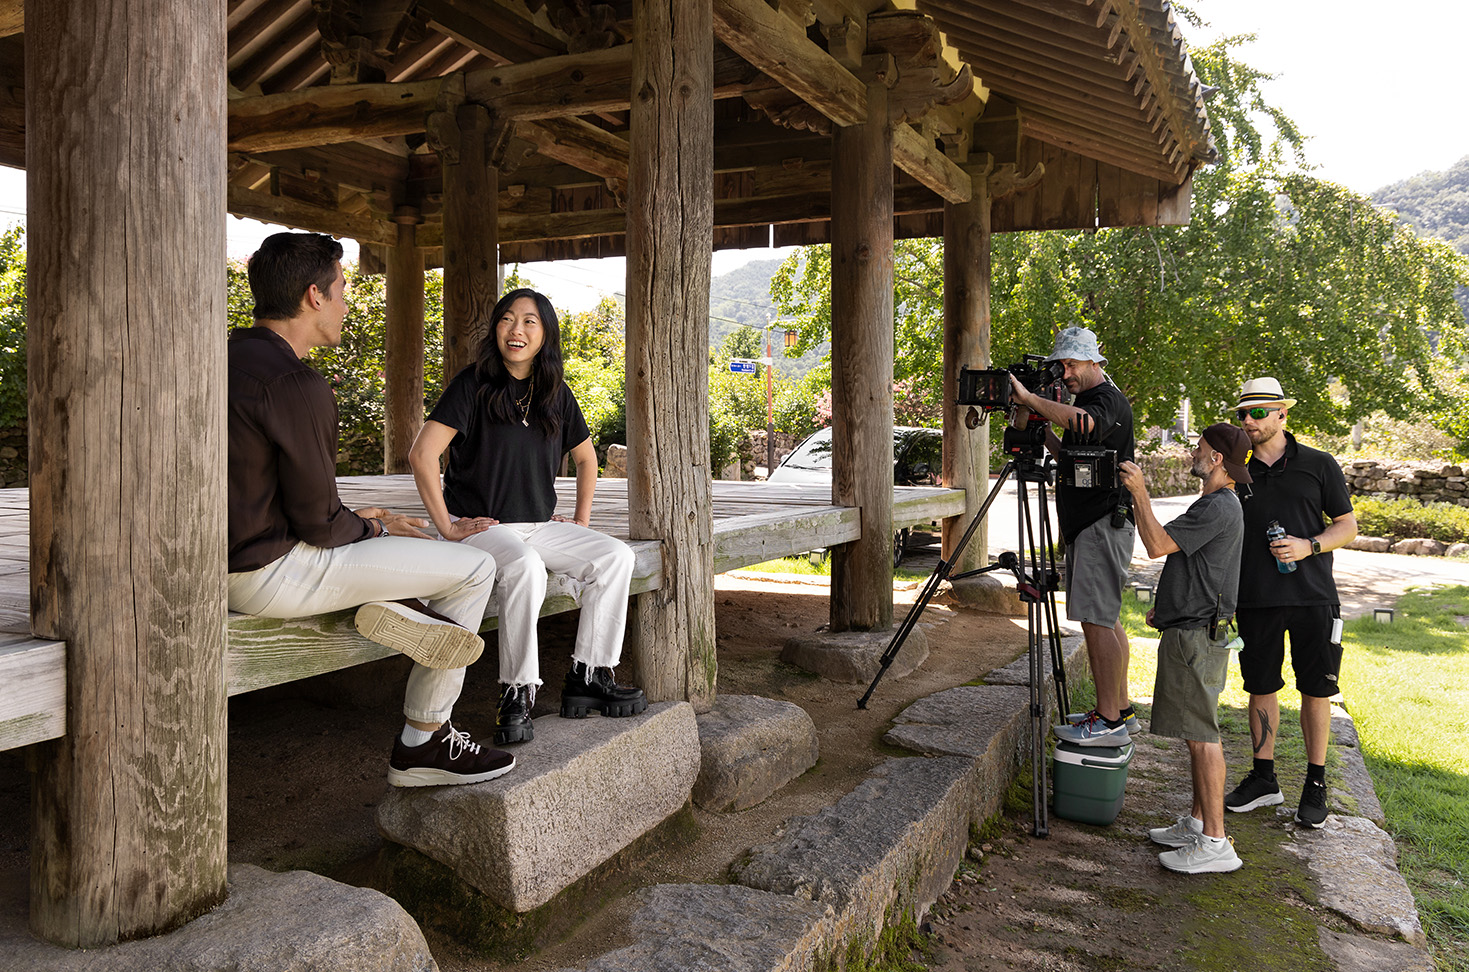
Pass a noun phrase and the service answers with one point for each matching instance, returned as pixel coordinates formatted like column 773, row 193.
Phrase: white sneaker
column 430, row 641
column 1180, row 834
column 1202, row 855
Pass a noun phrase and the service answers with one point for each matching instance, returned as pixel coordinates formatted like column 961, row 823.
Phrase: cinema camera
column 1084, row 466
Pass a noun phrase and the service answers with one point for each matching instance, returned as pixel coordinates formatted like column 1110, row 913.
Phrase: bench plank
column 33, row 683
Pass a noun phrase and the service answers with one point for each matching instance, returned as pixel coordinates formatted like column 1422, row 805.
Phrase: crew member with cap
column 1286, row 586
column 1195, row 599
column 1097, row 527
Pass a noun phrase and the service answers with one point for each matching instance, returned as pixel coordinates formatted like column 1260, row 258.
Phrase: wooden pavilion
column 463, row 133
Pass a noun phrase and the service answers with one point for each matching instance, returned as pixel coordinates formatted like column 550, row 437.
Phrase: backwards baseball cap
column 1078, row 344
column 1233, row 443
column 1262, row 391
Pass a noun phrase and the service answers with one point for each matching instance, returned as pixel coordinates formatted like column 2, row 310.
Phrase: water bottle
column 1273, row 533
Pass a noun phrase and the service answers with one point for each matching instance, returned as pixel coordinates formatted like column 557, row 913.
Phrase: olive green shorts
column 1191, row 672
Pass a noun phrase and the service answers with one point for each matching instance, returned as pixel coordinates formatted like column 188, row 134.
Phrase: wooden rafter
column 323, row 115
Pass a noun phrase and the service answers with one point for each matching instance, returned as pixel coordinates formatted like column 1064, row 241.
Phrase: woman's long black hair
column 546, row 370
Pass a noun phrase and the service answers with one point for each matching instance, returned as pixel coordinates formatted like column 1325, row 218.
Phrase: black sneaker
column 587, row 689
column 447, row 758
column 1312, row 811
column 513, row 723
column 1254, row 791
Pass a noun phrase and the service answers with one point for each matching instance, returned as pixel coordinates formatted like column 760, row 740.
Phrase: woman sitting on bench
column 507, row 421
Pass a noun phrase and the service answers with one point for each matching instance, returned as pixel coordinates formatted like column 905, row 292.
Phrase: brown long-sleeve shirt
column 282, row 455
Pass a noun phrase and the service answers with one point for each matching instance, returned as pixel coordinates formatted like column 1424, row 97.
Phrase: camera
column 989, row 388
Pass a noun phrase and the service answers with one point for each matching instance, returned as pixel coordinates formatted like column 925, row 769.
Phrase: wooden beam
column 967, row 255
column 578, row 142
column 922, row 160
column 325, row 115
column 290, row 212
column 471, row 235
column 402, row 347
column 12, row 17
column 552, row 87
column 774, row 44
column 493, row 30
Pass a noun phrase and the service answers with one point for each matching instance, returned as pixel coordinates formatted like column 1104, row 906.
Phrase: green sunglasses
column 1254, row 413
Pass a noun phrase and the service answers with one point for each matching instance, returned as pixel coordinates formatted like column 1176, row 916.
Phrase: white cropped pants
column 600, row 568
column 453, row 579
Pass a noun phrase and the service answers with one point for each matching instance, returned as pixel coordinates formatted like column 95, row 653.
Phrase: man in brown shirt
column 295, row 550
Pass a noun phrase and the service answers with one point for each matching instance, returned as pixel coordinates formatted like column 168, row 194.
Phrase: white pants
column 455, row 581
column 601, row 570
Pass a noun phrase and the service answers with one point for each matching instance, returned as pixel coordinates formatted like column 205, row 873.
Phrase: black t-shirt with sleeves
column 1303, row 488
column 1111, row 415
column 503, row 470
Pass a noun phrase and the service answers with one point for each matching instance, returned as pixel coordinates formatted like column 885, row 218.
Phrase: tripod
column 1036, row 581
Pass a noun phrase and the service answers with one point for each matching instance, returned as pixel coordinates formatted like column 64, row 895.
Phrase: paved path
column 1365, row 580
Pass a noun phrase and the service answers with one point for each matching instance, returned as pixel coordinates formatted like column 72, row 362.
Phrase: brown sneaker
column 431, row 641
column 446, row 759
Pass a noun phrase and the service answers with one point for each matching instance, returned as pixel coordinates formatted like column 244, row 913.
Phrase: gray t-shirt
column 1204, row 573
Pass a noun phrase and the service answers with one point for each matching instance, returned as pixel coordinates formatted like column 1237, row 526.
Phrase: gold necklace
column 524, row 403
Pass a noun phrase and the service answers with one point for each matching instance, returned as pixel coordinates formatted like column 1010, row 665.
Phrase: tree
column 1277, row 273
column 12, row 328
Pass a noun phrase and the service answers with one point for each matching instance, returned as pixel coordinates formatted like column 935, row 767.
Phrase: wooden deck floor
column 753, row 522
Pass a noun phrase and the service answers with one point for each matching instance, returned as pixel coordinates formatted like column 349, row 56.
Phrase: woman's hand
column 558, row 518
column 467, row 527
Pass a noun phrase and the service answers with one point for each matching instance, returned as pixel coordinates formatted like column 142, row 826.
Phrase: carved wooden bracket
column 588, row 26
column 787, row 110
column 846, row 41
column 921, row 90
column 1005, row 180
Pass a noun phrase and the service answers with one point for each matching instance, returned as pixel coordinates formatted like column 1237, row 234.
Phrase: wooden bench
column 753, row 523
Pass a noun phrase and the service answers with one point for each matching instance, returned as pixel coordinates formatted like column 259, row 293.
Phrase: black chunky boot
column 513, row 723
column 587, row 689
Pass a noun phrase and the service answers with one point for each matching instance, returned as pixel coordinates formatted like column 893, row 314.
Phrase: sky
column 1377, row 95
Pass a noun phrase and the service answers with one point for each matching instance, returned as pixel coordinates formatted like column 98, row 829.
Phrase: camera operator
column 1196, row 597
column 1286, row 586
column 1096, row 525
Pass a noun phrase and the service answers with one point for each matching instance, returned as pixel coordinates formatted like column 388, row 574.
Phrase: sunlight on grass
column 1407, row 686
column 822, row 568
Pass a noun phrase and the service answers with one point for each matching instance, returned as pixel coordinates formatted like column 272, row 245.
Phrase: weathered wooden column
column 670, row 225
column 862, row 364
column 471, row 230
column 966, row 343
column 125, row 165
column 403, row 344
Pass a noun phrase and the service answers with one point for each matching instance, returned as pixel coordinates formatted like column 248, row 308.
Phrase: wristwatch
column 382, row 528
column 1315, row 546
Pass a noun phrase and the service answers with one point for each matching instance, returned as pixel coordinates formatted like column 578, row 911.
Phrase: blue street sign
column 742, row 366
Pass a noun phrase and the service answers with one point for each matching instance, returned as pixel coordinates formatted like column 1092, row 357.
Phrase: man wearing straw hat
column 1286, row 587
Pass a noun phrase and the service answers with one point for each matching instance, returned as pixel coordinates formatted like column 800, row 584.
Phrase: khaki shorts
column 1191, row 672
column 1096, row 570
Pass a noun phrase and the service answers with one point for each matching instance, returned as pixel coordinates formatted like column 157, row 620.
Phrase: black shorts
column 1316, row 661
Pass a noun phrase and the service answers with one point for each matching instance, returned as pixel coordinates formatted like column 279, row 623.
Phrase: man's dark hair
column 285, row 266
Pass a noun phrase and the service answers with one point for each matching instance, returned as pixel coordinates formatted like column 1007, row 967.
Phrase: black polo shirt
column 1111, row 415
column 1302, row 489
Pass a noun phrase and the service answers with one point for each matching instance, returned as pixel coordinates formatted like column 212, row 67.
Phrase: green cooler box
column 1088, row 781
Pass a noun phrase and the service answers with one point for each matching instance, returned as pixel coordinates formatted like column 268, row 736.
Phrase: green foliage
column 1276, row 273
column 592, row 348
column 12, row 328
column 1403, row 517
column 1434, row 203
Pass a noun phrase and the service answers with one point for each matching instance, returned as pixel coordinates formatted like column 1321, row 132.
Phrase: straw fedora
column 1263, row 391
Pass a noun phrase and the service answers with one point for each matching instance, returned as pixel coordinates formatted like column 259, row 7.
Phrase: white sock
column 415, row 737
column 1214, row 840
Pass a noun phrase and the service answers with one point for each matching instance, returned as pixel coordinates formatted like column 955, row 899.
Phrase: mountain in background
column 1433, row 203
column 742, row 296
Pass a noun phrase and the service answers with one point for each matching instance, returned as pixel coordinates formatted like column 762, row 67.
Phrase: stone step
column 723, row 927
column 297, row 920
column 750, row 747
column 889, row 847
column 582, row 790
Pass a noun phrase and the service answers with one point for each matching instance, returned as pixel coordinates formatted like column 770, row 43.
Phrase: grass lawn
column 1407, row 687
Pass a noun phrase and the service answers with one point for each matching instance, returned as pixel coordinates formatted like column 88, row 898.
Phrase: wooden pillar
column 125, row 185
column 967, row 343
column 471, row 232
column 403, row 345
column 862, row 364
column 670, row 226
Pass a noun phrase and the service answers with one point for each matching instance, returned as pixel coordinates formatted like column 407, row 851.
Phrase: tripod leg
column 1035, row 624
column 1058, row 657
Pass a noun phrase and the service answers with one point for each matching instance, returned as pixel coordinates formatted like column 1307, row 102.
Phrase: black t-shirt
column 1300, row 490
column 1111, row 415
column 1202, row 576
column 498, row 469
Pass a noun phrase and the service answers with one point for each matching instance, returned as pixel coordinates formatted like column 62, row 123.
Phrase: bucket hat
column 1078, row 344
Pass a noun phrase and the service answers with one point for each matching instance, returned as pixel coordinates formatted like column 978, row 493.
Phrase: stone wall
column 13, row 457
column 1426, row 482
